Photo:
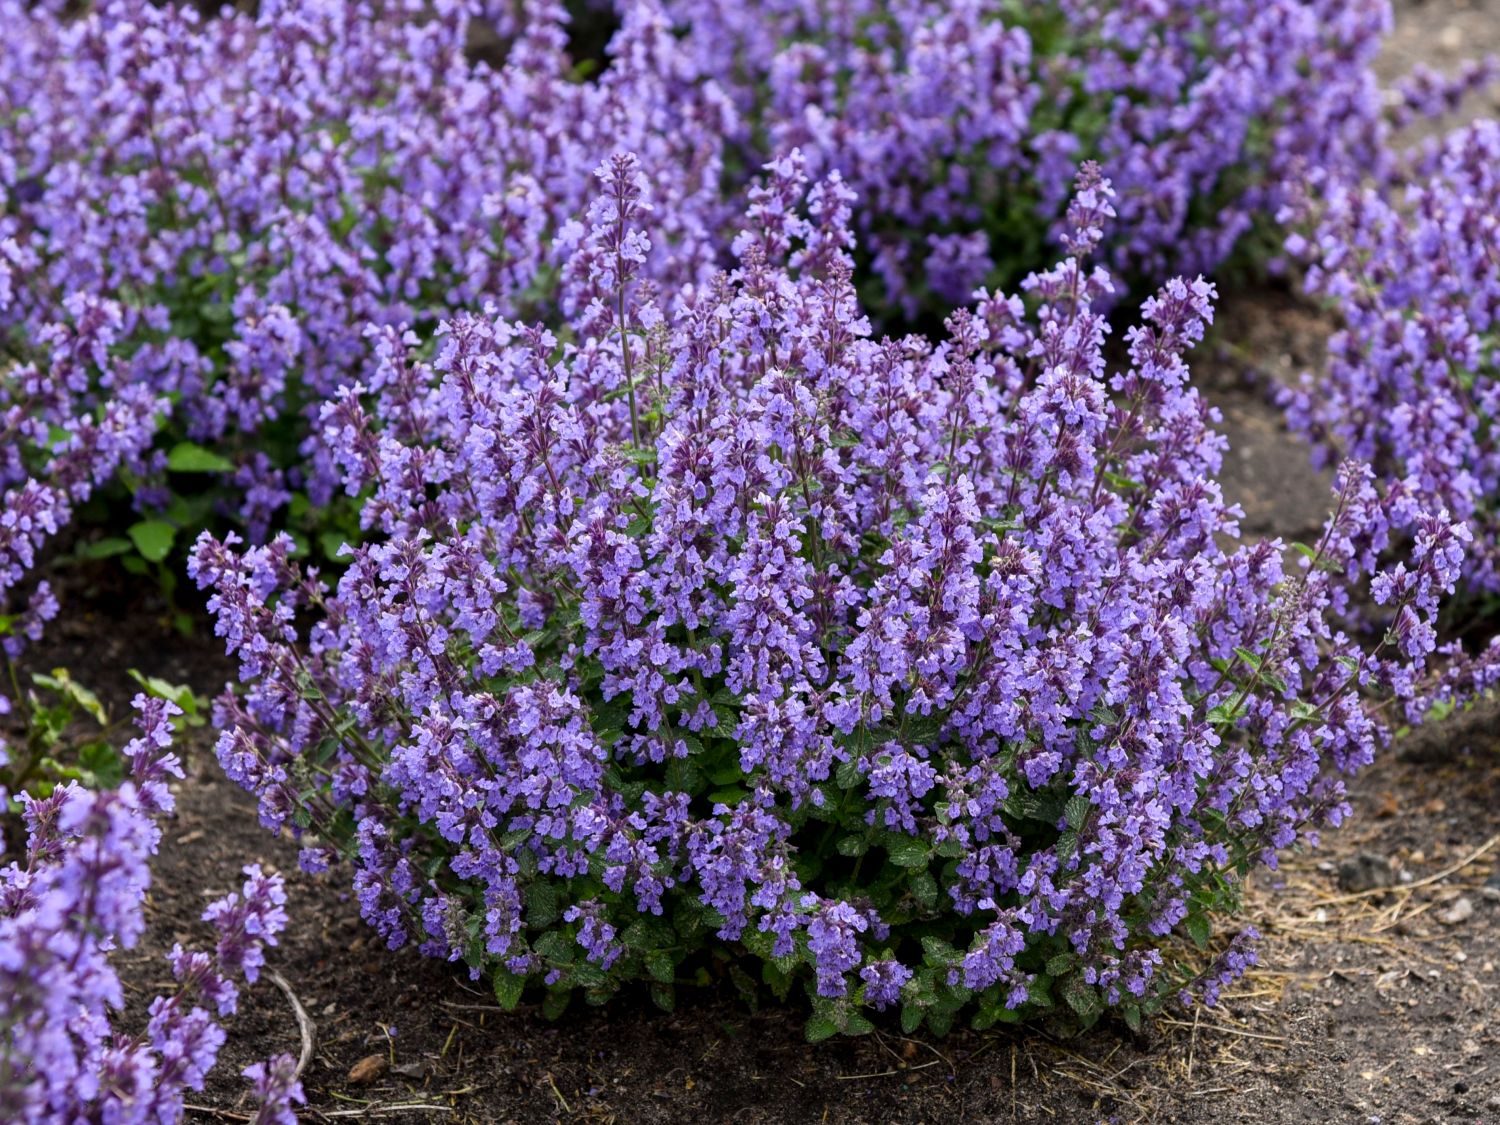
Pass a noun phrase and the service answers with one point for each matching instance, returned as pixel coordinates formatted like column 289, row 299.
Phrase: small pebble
column 1461, row 911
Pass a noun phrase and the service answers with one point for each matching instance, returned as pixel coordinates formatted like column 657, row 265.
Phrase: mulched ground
column 1378, row 1005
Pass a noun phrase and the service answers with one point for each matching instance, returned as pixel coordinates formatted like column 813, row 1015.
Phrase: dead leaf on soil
column 367, row 1070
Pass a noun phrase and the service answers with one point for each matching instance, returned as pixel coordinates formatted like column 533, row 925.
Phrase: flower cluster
column 236, row 216
column 1413, row 379
column 223, row 208
column 959, row 124
column 254, row 192
column 66, row 906
column 916, row 670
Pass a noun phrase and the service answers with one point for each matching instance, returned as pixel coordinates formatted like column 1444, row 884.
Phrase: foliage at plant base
column 912, row 671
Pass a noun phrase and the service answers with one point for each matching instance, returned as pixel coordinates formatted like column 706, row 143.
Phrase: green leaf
column 555, row 1004
column 508, row 989
column 332, row 544
column 852, row 845
column 1060, row 963
column 660, row 966
column 1077, row 810
column 924, row 889
column 106, row 548
column 907, row 851
column 186, row 457
column 70, row 689
column 541, row 904
column 1199, row 929
column 153, row 539
column 180, row 694
column 104, row 762
column 1084, row 999
column 847, row 775
column 664, row 997
column 820, row 1027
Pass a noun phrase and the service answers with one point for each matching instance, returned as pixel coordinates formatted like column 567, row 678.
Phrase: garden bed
column 1378, row 980
column 1361, row 1009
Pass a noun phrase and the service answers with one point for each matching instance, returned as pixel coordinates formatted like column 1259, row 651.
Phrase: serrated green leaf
column 820, row 1027
column 924, row 889
column 852, row 845
column 660, row 966
column 907, row 851
column 1199, row 929
column 664, row 996
column 555, row 1004
column 1077, row 810
column 541, row 904
column 1083, row 998
column 508, row 989
column 1060, row 963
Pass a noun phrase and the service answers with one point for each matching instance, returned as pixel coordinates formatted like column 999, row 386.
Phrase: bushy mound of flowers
column 249, row 194
column 253, row 192
column 68, row 905
column 959, row 125
column 917, row 671
column 57, row 448
column 1413, row 379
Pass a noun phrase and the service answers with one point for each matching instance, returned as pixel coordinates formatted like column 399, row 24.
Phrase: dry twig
column 305, row 1026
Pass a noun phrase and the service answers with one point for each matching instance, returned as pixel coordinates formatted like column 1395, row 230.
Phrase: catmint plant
column 1411, row 381
column 920, row 674
column 959, row 124
column 68, row 903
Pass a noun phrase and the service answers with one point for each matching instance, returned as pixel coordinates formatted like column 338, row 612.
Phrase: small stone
column 367, row 1070
column 1451, row 38
column 1460, row 956
column 1366, row 872
column 1461, row 911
